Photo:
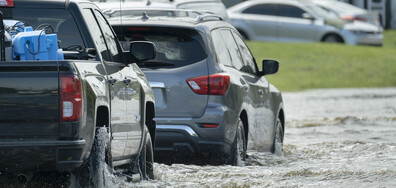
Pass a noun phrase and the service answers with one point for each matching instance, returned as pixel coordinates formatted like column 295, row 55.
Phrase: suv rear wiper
column 153, row 64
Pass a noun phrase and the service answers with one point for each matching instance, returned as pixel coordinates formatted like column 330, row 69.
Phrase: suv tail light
column 215, row 84
column 70, row 97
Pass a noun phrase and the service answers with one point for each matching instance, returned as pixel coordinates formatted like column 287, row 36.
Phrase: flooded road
column 334, row 138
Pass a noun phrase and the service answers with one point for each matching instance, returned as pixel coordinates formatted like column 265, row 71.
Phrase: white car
column 212, row 6
column 149, row 11
column 116, row 6
column 297, row 21
column 349, row 12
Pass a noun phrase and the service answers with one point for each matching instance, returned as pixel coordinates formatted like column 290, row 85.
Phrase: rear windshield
column 57, row 21
column 175, row 47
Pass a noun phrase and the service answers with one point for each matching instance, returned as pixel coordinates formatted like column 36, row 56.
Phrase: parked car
column 149, row 11
column 214, row 6
column 298, row 21
column 211, row 98
column 349, row 12
column 66, row 108
column 119, row 7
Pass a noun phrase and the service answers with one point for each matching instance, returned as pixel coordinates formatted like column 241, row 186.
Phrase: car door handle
column 127, row 81
column 112, row 80
column 245, row 86
column 260, row 92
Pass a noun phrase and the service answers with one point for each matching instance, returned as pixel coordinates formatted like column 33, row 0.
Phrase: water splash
column 240, row 162
column 278, row 148
column 99, row 173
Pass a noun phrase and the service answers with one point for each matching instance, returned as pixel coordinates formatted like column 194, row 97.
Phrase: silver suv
column 211, row 98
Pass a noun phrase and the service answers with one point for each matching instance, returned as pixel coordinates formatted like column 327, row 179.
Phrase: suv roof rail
column 199, row 12
column 208, row 17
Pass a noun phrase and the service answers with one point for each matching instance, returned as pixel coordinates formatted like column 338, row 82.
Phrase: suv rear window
column 175, row 47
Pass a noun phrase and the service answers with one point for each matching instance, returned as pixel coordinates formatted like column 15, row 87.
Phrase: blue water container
column 36, row 45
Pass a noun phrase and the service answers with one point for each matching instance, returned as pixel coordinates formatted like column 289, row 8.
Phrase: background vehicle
column 51, row 111
column 138, row 12
column 214, row 6
column 297, row 21
column 117, row 8
column 349, row 12
column 209, row 92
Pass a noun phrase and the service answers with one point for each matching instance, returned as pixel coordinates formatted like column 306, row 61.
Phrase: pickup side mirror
column 269, row 67
column 308, row 16
column 142, row 51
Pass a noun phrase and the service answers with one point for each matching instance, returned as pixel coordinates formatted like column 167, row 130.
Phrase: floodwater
column 334, row 138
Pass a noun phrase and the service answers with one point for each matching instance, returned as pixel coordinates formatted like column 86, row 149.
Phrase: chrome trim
column 185, row 128
column 157, row 84
column 172, row 119
column 35, row 143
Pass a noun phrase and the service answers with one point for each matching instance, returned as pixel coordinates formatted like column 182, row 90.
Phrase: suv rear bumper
column 188, row 137
column 184, row 140
column 180, row 143
column 43, row 155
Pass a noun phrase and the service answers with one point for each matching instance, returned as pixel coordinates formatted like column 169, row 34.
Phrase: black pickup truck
column 52, row 110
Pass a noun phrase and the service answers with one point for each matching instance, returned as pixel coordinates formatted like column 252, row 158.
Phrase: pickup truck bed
column 31, row 133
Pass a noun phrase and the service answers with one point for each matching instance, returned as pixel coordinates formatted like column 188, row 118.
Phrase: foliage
column 320, row 65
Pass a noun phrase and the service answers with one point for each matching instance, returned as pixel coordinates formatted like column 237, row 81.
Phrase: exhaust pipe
column 22, row 178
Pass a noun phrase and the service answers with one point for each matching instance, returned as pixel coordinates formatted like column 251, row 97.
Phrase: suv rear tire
column 238, row 150
column 277, row 145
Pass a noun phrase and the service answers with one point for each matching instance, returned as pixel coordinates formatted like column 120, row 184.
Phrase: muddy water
column 334, row 138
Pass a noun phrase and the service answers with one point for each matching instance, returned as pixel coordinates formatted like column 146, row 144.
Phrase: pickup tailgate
column 29, row 102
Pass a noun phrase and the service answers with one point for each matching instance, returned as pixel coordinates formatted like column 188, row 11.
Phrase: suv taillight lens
column 70, row 97
column 215, row 84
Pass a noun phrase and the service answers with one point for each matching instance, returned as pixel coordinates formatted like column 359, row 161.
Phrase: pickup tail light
column 215, row 84
column 70, row 98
